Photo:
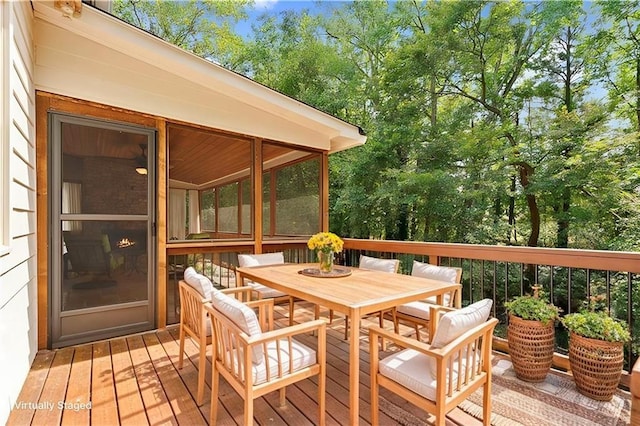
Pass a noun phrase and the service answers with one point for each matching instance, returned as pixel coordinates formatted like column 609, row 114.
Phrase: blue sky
column 275, row 7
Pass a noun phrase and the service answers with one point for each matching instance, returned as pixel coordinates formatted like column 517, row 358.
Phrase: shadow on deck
column 135, row 380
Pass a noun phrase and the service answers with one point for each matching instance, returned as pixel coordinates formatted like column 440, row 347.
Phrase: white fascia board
column 117, row 35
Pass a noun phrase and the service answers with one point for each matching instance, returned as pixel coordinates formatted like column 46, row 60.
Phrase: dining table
column 352, row 291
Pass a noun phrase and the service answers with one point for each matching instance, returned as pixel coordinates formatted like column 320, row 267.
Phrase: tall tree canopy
column 496, row 122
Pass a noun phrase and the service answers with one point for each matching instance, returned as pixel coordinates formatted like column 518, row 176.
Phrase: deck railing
column 568, row 277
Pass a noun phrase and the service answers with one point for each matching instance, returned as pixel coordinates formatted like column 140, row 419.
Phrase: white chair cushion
column 412, row 370
column 261, row 259
column 265, row 259
column 242, row 316
column 435, row 272
column 375, row 264
column 199, row 282
column 455, row 323
column 264, row 291
column 418, row 309
column 302, row 356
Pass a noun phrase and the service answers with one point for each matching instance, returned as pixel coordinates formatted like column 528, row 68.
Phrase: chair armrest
column 435, row 312
column 303, row 328
column 446, row 351
column 265, row 312
column 399, row 340
column 260, row 304
column 243, row 294
column 468, row 337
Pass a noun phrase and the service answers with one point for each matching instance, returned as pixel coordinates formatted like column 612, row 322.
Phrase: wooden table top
column 365, row 290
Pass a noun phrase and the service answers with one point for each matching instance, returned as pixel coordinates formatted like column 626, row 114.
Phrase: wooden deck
column 134, row 380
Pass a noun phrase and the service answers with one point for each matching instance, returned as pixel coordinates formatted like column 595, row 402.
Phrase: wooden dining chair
column 195, row 291
column 255, row 359
column 262, row 291
column 438, row 376
column 372, row 264
column 417, row 313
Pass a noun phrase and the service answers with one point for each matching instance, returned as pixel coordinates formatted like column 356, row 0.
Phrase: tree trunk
column 525, row 172
column 512, row 211
column 563, row 219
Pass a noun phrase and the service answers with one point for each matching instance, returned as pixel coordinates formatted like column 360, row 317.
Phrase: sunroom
column 145, row 151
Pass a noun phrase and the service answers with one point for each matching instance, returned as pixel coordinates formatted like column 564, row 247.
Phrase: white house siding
column 18, row 291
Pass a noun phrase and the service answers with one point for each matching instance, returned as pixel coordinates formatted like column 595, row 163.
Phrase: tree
column 617, row 42
column 562, row 85
column 202, row 27
column 493, row 44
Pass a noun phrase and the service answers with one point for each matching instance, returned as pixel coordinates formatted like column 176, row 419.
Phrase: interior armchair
column 418, row 313
column 195, row 291
column 255, row 359
column 437, row 377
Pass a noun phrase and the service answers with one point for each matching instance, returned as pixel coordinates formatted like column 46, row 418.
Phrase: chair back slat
column 229, row 347
column 233, row 348
column 468, row 362
column 192, row 309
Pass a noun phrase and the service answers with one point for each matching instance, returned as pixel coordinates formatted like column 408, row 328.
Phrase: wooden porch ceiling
column 197, row 157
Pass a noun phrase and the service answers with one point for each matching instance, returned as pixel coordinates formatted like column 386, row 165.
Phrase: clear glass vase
column 325, row 260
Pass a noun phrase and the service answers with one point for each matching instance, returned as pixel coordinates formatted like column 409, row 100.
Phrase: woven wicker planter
column 596, row 366
column 531, row 346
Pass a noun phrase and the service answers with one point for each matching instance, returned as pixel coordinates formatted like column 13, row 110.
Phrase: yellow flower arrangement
column 326, row 242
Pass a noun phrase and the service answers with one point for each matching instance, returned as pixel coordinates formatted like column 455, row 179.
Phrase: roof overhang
column 99, row 58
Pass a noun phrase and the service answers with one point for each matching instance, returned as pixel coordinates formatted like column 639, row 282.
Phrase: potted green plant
column 531, row 335
column 596, row 350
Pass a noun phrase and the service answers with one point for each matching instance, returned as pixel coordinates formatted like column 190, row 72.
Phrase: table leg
column 354, row 367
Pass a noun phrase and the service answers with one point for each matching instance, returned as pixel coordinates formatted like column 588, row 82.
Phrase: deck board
column 130, row 405
column 79, row 390
column 155, row 400
column 135, row 380
column 184, row 407
column 32, row 388
column 55, row 388
column 104, row 407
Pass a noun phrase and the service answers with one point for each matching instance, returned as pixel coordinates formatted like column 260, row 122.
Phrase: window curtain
column 177, row 214
column 71, row 204
column 194, row 211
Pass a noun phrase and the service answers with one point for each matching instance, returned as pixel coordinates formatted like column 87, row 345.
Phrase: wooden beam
column 324, row 191
column 42, row 218
column 161, row 225
column 256, row 173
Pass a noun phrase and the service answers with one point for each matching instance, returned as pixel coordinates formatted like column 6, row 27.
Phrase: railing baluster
column 506, row 281
column 629, row 314
column 482, row 278
column 447, row 254
column 588, row 284
column 608, row 291
column 569, row 285
column 495, row 287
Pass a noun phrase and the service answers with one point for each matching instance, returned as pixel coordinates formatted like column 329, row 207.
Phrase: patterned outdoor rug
column 554, row 402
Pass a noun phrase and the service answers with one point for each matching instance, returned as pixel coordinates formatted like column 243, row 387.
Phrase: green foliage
column 487, row 122
column 594, row 322
column 596, row 325
column 532, row 309
column 203, row 27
